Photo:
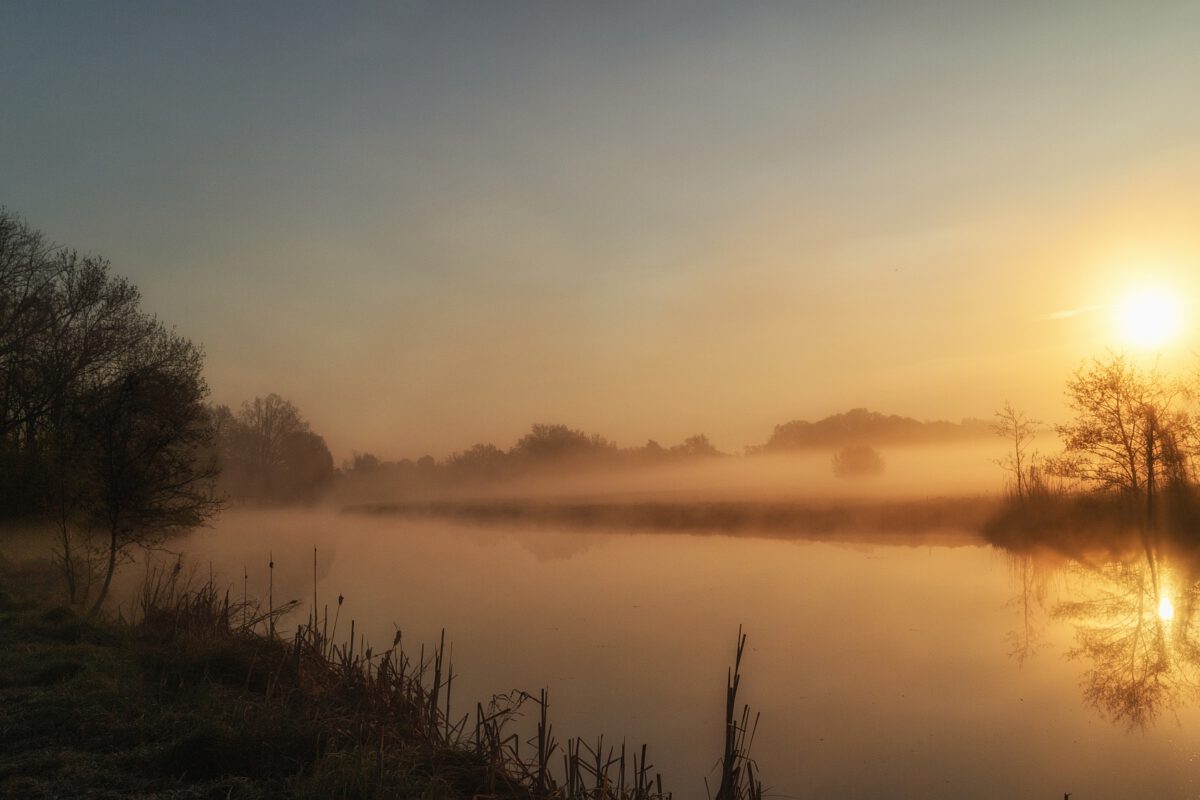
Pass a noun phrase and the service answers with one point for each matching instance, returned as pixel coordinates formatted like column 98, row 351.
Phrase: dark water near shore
column 882, row 668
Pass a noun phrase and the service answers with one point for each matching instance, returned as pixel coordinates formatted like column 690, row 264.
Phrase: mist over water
column 909, row 472
column 881, row 668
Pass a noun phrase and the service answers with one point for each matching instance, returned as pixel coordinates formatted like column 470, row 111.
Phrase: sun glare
column 1166, row 611
column 1149, row 318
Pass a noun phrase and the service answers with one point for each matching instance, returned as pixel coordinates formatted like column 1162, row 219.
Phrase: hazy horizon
column 431, row 225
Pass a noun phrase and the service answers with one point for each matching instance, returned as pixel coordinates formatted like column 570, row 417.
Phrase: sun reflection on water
column 1135, row 622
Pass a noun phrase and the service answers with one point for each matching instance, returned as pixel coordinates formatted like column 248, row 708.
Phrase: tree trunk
column 1150, row 463
column 108, row 573
column 1017, row 458
column 68, row 563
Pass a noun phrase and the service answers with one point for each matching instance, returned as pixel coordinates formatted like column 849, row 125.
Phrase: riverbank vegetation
column 202, row 694
column 1128, row 460
column 103, row 427
column 106, row 434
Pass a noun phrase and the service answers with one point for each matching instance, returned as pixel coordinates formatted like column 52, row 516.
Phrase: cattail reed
column 376, row 704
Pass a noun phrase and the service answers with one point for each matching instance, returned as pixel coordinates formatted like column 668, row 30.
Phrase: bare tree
column 1018, row 429
column 66, row 323
column 1129, row 430
column 268, row 453
column 102, row 422
column 146, row 466
column 269, row 421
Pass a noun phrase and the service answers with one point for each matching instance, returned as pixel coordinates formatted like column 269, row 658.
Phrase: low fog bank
column 930, row 494
column 21, row 540
column 854, row 453
column 903, row 473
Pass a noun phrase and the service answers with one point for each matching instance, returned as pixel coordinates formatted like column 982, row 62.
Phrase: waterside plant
column 195, row 692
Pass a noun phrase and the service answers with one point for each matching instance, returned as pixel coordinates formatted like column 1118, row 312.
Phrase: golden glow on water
column 1043, row 660
column 1149, row 317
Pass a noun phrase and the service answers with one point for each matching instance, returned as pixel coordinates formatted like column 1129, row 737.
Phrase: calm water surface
column 881, row 670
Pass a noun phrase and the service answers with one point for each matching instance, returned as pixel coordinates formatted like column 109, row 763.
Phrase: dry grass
column 378, row 720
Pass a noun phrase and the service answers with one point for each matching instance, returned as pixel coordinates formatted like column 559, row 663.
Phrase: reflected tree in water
column 1129, row 455
column 1030, row 602
column 1134, row 625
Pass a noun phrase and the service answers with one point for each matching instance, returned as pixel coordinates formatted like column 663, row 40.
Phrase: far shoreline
column 945, row 521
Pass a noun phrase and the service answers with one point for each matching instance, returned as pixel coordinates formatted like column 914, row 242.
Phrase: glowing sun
column 1149, row 317
column 1166, row 611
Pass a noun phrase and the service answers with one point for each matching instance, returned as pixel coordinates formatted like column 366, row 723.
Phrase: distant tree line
column 545, row 449
column 850, row 436
column 859, row 427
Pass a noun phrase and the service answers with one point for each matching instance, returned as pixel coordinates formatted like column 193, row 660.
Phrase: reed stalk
column 379, row 703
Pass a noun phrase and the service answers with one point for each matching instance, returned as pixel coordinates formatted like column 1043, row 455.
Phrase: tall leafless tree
column 1130, row 428
column 102, row 421
column 1018, row 429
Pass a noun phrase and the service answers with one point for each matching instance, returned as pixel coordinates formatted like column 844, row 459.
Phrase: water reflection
column 874, row 654
column 1131, row 603
column 1031, row 579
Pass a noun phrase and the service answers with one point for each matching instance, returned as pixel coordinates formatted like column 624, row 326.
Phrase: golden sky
column 431, row 224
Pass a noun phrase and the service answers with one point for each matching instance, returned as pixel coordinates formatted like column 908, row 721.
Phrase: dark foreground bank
column 204, row 696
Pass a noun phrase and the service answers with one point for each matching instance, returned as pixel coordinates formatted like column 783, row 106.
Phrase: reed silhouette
column 355, row 720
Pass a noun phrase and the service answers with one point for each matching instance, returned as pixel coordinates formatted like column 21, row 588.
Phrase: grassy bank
column 1095, row 522
column 776, row 519
column 202, row 696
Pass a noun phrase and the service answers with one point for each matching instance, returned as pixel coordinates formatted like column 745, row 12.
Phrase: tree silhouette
column 697, row 446
column 857, row 461
column 67, row 325
column 478, row 462
column 553, row 444
column 102, row 422
column 1129, row 432
column 269, row 453
column 1018, row 429
column 860, row 426
column 142, row 445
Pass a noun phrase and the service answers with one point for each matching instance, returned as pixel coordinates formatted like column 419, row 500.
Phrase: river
column 882, row 667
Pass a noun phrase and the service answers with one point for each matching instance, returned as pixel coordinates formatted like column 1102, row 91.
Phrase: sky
column 430, row 224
